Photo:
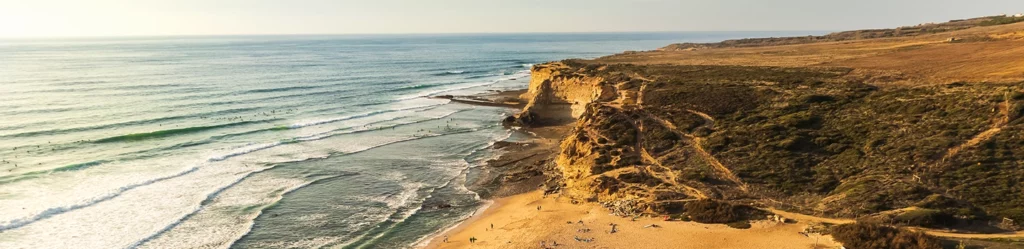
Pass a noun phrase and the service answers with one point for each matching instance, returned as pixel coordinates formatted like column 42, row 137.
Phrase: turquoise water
column 258, row 142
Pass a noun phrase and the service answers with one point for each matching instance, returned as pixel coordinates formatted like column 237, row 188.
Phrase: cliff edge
column 825, row 139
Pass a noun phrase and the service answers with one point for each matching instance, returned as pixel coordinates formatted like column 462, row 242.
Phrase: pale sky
column 63, row 18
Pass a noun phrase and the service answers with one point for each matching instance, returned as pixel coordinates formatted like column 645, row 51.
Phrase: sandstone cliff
column 651, row 139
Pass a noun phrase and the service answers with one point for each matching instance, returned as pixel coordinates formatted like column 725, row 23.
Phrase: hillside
column 907, row 31
column 918, row 130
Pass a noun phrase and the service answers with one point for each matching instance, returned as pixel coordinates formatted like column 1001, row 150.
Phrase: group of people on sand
column 545, row 246
column 471, row 239
column 584, row 229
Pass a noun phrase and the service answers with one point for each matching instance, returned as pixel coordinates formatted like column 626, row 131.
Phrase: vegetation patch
column 860, row 235
column 710, row 211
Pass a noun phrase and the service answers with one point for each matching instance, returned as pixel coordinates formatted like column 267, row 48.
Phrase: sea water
column 258, row 141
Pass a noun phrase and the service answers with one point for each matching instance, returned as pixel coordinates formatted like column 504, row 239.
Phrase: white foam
column 361, row 115
column 140, row 213
column 244, row 150
column 50, row 212
column 455, row 88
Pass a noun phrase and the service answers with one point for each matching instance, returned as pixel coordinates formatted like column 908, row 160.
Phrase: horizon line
column 70, row 37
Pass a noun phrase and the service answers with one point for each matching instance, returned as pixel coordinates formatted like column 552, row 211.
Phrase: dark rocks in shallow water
column 527, row 118
column 440, row 205
column 509, row 121
column 523, row 119
column 502, row 144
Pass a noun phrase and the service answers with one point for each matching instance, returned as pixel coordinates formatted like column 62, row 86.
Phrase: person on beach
column 445, row 238
column 538, row 207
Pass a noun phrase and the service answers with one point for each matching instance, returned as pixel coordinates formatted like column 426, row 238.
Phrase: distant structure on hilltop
column 1018, row 15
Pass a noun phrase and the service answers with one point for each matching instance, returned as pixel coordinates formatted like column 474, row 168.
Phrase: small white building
column 1019, row 15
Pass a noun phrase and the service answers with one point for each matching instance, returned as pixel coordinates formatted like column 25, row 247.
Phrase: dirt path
column 944, row 234
column 671, row 177
column 997, row 126
column 929, row 231
column 709, row 122
column 718, row 165
column 697, row 141
column 809, row 218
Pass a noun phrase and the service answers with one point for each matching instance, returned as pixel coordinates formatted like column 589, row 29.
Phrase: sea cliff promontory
column 899, row 131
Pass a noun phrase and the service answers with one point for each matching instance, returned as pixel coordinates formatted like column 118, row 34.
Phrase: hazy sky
column 34, row 18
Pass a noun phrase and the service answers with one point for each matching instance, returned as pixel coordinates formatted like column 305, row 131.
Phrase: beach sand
column 518, row 224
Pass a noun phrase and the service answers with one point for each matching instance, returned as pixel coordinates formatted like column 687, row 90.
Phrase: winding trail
column 997, row 126
column 945, row 234
column 626, row 98
column 671, row 179
column 809, row 218
column 709, row 122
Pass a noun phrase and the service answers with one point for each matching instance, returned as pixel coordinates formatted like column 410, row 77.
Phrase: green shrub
column 739, row 224
column 1001, row 20
column 926, row 218
column 710, row 211
column 860, row 235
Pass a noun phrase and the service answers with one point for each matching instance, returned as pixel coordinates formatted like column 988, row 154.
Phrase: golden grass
column 981, row 54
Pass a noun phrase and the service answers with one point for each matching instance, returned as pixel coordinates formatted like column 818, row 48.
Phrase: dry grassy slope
column 982, row 54
column 651, row 136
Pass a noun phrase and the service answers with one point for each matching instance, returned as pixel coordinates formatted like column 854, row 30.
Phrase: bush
column 640, row 178
column 860, row 235
column 709, row 211
column 1000, row 20
column 739, row 224
column 926, row 218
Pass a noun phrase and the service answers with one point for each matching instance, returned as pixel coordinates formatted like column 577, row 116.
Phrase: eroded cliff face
column 607, row 156
column 557, row 92
column 651, row 139
column 557, row 84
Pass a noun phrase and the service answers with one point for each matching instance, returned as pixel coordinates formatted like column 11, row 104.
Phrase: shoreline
column 511, row 190
column 625, row 147
column 430, row 238
column 516, row 171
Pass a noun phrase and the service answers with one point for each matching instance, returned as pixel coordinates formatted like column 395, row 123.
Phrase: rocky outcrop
column 558, row 93
column 601, row 158
column 653, row 138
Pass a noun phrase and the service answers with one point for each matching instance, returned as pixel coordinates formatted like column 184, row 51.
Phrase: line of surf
column 124, row 123
column 53, row 211
column 172, row 132
column 365, row 150
column 263, row 146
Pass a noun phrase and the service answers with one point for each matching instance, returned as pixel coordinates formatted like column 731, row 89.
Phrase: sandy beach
column 517, row 223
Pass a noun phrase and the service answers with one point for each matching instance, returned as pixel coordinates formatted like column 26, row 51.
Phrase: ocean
column 259, row 141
